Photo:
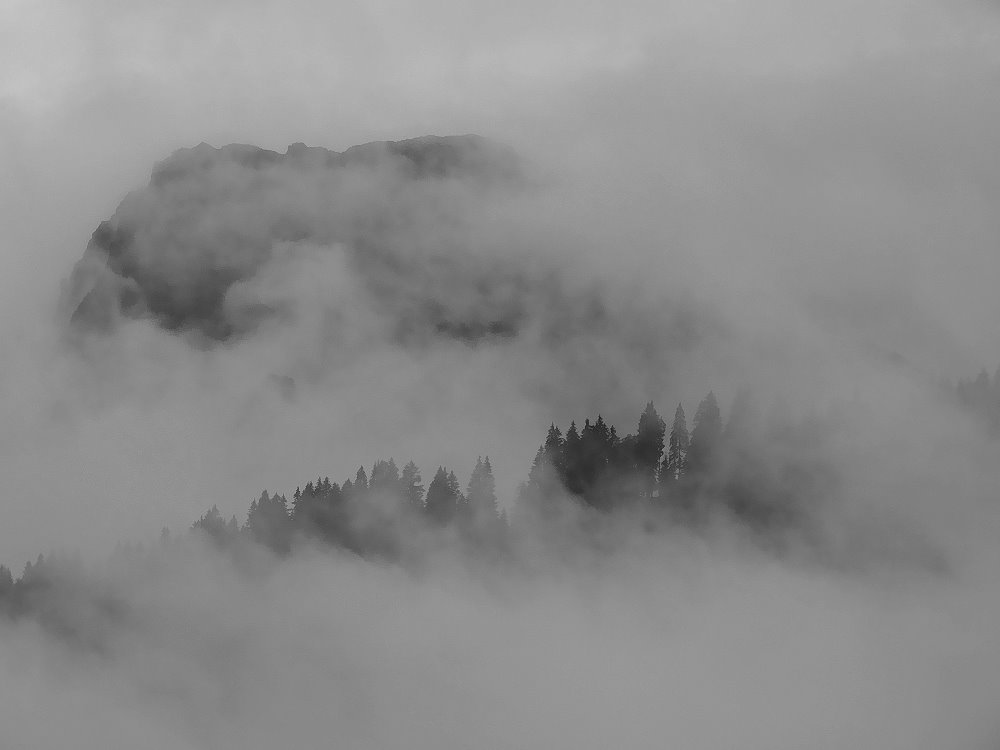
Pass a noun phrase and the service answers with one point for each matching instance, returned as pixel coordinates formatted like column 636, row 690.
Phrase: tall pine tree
column 677, row 448
column 442, row 497
column 413, row 490
column 482, row 495
column 649, row 447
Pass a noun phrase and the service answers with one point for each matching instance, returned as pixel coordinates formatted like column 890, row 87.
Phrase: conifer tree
column 538, row 496
column 455, row 491
column 268, row 522
column 489, row 487
column 571, row 459
column 472, row 491
column 384, row 477
column 6, row 585
column 649, row 447
column 413, row 490
column 481, row 494
column 213, row 524
column 361, row 480
column 603, row 434
column 597, row 449
column 677, row 448
column 589, row 451
column 441, row 503
column 553, row 447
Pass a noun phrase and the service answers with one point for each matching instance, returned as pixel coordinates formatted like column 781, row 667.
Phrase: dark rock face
column 427, row 156
column 214, row 218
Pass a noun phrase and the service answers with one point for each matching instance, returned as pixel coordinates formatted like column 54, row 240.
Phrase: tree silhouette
column 385, row 477
column 215, row 527
column 6, row 589
column 268, row 523
column 649, row 447
column 704, row 437
column 318, row 511
column 442, row 498
column 481, row 494
column 571, row 461
column 461, row 501
column 361, row 481
column 413, row 490
column 677, row 448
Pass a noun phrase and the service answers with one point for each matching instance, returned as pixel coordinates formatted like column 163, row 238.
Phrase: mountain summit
column 188, row 251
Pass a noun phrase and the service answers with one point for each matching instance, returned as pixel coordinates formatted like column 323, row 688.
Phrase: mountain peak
column 466, row 155
column 212, row 218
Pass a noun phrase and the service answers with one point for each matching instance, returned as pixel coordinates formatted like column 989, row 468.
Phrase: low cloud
column 673, row 641
column 798, row 198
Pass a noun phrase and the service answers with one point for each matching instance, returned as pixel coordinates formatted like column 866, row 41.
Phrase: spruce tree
column 489, row 487
column 554, row 447
column 213, row 524
column 384, row 477
column 649, row 447
column 571, row 459
column 460, row 502
column 472, row 491
column 677, row 448
column 268, row 522
column 6, row 586
column 441, row 505
column 482, row 494
column 361, row 480
column 413, row 490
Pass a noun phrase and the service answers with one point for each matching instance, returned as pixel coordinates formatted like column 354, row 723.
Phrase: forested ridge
column 768, row 474
column 663, row 472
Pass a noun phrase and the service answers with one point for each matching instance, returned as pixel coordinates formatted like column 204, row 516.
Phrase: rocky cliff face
column 191, row 250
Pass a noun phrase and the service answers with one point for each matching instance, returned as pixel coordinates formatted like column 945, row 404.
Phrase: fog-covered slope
column 186, row 249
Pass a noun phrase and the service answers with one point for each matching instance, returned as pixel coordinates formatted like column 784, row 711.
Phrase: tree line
column 370, row 513
column 764, row 473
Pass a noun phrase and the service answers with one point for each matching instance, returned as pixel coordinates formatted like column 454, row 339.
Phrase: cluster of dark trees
column 762, row 472
column 607, row 472
column 765, row 472
column 17, row 593
column 58, row 593
column 370, row 514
